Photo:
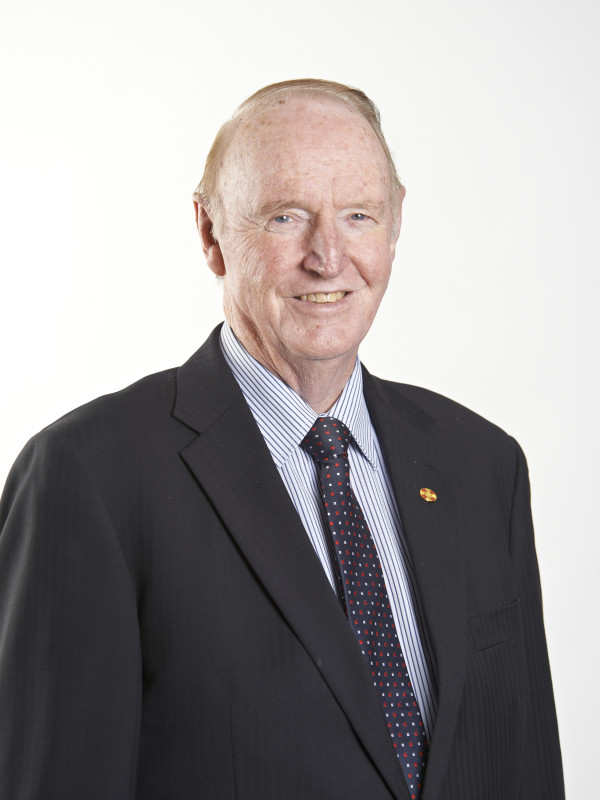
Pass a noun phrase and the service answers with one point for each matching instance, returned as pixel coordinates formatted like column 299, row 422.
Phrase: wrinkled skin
column 305, row 239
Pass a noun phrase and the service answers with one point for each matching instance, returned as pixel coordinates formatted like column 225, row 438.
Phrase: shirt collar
column 282, row 415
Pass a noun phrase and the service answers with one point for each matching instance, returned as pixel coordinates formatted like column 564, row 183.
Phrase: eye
column 277, row 223
column 358, row 217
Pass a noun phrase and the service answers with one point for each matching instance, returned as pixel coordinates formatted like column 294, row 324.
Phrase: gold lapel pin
column 428, row 495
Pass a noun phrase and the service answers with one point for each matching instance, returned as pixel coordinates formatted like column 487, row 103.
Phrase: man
column 268, row 574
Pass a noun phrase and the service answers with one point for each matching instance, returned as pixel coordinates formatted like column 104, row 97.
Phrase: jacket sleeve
column 541, row 773
column 70, row 666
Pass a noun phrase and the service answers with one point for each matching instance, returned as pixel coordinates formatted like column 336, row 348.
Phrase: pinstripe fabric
column 284, row 418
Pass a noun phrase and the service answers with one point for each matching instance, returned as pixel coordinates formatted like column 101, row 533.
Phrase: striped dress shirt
column 284, row 419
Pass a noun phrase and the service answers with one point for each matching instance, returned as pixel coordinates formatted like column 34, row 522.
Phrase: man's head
column 299, row 212
column 207, row 191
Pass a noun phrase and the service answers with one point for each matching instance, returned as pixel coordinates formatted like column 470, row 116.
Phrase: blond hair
column 207, row 190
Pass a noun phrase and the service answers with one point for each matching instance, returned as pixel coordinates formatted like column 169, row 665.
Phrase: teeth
column 320, row 297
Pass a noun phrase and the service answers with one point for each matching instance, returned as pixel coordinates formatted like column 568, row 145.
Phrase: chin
column 325, row 345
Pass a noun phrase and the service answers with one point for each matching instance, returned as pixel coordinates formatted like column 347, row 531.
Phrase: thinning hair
column 207, row 192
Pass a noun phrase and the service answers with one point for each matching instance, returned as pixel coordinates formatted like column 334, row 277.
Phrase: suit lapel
column 407, row 437
column 231, row 462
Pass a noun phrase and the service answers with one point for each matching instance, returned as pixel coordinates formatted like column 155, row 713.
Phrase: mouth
column 322, row 297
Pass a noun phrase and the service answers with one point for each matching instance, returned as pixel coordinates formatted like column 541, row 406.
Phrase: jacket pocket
column 495, row 627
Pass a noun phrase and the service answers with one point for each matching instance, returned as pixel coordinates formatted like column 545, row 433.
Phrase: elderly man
column 268, row 574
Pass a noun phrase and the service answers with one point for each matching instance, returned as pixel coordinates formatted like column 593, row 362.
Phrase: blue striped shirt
column 284, row 419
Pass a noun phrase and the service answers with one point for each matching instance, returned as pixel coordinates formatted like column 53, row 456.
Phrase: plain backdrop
column 491, row 110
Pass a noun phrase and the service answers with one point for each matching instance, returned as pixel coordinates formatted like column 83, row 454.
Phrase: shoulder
column 134, row 406
column 438, row 406
column 108, row 430
column 147, row 405
column 486, row 464
column 444, row 420
column 137, row 428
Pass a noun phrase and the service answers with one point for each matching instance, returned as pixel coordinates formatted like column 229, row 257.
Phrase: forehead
column 308, row 142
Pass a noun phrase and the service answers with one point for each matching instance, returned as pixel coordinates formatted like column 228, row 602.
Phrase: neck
column 318, row 381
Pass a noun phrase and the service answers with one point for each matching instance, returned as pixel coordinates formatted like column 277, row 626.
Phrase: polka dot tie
column 365, row 597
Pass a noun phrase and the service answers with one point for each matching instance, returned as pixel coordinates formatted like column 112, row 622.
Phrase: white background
column 491, row 110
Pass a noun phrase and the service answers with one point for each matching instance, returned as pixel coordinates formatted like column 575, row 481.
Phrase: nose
column 326, row 251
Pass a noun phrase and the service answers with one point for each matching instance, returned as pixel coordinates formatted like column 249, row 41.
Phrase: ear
column 210, row 246
column 398, row 219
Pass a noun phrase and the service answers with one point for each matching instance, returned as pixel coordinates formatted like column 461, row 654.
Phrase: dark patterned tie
column 365, row 597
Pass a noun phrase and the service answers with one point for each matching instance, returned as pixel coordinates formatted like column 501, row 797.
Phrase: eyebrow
column 365, row 205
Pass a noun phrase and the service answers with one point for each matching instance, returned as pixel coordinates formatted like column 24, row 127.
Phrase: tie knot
column 328, row 438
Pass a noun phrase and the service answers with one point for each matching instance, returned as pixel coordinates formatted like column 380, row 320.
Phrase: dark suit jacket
column 168, row 631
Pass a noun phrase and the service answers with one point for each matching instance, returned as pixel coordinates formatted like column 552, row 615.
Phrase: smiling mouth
column 321, row 297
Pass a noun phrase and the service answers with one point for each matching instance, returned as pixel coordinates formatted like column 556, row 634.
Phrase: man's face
column 307, row 237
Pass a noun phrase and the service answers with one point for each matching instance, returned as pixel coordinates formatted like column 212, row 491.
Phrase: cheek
column 268, row 265
column 377, row 265
column 256, row 281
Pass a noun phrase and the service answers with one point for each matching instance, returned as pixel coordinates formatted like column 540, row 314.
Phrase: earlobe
column 214, row 259
column 210, row 246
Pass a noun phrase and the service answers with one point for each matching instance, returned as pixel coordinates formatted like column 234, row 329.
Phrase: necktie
column 365, row 597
